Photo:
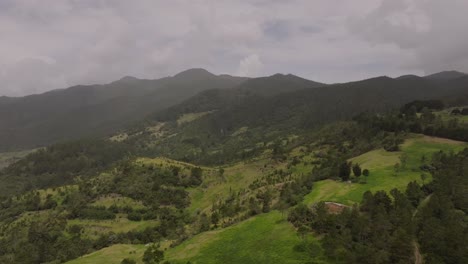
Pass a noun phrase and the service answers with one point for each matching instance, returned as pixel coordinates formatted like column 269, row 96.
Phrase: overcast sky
column 50, row 44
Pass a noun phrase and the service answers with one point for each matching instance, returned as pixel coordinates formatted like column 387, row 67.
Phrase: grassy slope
column 7, row 158
column 380, row 163
column 445, row 115
column 267, row 238
column 235, row 178
column 112, row 255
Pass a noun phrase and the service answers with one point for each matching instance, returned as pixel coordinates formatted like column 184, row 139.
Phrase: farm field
column 382, row 173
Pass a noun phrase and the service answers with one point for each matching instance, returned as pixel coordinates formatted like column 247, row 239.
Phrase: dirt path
column 422, row 204
column 418, row 259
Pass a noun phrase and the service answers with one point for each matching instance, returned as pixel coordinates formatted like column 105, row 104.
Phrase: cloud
column 433, row 31
column 250, row 66
column 52, row 44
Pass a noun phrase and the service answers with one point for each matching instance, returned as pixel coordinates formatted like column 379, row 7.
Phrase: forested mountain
column 313, row 173
column 264, row 117
column 327, row 102
column 245, row 94
column 96, row 110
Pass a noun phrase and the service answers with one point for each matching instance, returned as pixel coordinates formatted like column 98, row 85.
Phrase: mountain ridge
column 98, row 110
column 32, row 121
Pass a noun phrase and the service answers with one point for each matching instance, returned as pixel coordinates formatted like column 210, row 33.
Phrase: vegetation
column 387, row 229
column 96, row 110
column 267, row 238
column 113, row 254
column 380, row 164
column 284, row 172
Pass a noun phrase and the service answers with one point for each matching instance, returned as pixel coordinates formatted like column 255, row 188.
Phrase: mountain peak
column 407, row 76
column 195, row 73
column 445, row 75
column 127, row 79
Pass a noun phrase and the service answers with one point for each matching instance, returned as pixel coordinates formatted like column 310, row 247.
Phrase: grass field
column 93, row 228
column 112, row 255
column 267, row 238
column 381, row 165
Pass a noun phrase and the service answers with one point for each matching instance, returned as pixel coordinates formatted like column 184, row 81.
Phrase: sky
column 51, row 44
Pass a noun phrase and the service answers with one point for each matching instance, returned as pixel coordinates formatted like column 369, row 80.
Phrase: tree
column 215, row 218
column 175, row 170
column 204, row 223
column 414, row 193
column 266, row 197
column 423, row 177
column 128, row 261
column 196, row 174
column 366, row 172
column 423, row 158
column 345, row 171
column 427, row 115
column 403, row 160
column 396, row 169
column 153, row 255
column 357, row 170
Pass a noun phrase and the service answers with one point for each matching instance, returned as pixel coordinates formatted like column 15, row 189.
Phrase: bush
column 366, row 172
column 134, row 216
column 96, row 213
column 128, row 261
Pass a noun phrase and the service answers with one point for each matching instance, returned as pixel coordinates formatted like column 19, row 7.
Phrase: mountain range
column 99, row 110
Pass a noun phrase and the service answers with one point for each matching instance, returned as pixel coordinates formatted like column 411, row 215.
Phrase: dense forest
column 418, row 117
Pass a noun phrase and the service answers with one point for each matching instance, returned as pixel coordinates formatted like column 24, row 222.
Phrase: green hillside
column 381, row 165
column 267, row 238
column 270, row 238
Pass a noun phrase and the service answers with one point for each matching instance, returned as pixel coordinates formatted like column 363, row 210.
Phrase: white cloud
column 433, row 31
column 84, row 42
column 250, row 66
